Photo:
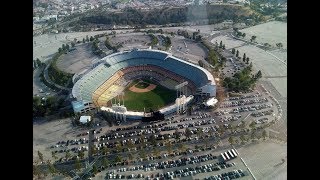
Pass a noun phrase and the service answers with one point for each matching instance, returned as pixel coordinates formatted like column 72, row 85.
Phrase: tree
column 250, row 65
column 247, row 60
column 253, row 135
column 177, row 134
column 67, row 47
column 63, row 47
column 94, row 169
column 152, row 140
column 244, row 57
column 233, row 51
column 243, row 35
column 235, row 29
column 54, row 155
column 231, row 140
column 220, row 46
column 253, row 38
column 91, row 38
column 83, row 40
column 252, row 125
column 40, row 155
column 51, row 168
column 130, row 156
column 105, row 162
column 200, row 132
column 118, row 158
column 258, row 75
column 60, row 50
column 156, row 152
column 94, row 150
column 68, row 154
column 77, row 165
column 142, row 153
column 264, row 134
column 188, row 133
column 87, row 38
column 181, row 147
column 224, row 46
column 242, row 138
column 169, row 148
column 38, row 62
column 267, row 45
column 279, row 45
column 237, row 53
column 36, row 171
column 72, row 44
column 81, row 154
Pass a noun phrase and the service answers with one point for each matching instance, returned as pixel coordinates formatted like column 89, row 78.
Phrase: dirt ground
column 139, row 90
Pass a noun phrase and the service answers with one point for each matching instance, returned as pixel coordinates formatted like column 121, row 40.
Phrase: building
column 159, row 65
column 85, row 119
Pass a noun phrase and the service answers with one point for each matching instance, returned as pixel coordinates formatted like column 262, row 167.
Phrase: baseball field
column 147, row 94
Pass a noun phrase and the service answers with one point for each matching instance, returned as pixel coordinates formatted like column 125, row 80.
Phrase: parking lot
column 40, row 89
column 77, row 60
column 130, row 41
column 187, row 49
column 201, row 153
column 273, row 69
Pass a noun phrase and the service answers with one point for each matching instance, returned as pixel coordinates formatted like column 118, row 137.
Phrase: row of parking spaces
column 243, row 102
column 263, row 113
column 243, row 109
column 257, row 94
column 230, row 118
column 238, row 173
column 171, row 163
column 188, row 171
column 111, row 136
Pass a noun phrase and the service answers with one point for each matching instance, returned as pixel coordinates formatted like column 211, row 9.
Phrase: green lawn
column 155, row 99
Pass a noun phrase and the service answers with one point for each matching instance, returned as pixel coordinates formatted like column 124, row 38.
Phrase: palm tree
column 105, row 162
column 244, row 57
column 54, row 155
column 81, row 154
column 264, row 134
column 51, row 168
column 233, row 51
column 118, row 158
column 231, row 140
column 142, row 153
column 94, row 169
column 40, row 155
column 68, row 155
column 188, row 133
column 77, row 165
column 169, row 148
column 253, row 38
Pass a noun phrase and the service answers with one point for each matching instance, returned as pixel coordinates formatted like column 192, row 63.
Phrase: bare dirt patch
column 139, row 90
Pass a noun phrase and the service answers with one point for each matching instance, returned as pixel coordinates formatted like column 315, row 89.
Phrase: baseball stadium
column 129, row 83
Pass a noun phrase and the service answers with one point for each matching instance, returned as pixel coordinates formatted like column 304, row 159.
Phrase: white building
column 85, row 119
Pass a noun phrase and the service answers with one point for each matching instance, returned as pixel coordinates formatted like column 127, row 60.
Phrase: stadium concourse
column 110, row 76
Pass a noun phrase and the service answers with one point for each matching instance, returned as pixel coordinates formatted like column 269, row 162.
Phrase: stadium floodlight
column 181, row 85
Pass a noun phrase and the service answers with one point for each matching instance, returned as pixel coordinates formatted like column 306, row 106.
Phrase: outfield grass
column 155, row 99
